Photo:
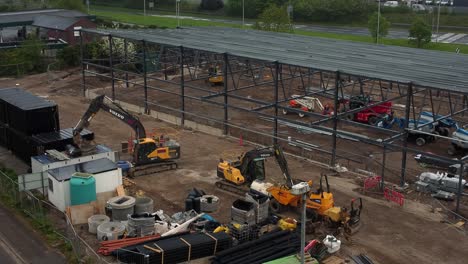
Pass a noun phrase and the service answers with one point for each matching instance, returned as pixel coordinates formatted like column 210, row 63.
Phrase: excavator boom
column 115, row 110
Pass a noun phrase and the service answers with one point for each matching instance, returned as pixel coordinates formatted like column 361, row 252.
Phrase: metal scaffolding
column 262, row 71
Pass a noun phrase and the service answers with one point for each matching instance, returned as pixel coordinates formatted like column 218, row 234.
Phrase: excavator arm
column 115, row 110
column 267, row 152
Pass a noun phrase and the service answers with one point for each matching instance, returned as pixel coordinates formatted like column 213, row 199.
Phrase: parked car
column 391, row 4
column 419, row 8
column 429, row 2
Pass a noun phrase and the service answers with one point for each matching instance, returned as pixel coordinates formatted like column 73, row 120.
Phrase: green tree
column 373, row 24
column 69, row 4
column 420, row 32
column 274, row 18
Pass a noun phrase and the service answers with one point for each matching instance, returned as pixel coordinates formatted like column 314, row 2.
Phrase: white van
column 391, row 4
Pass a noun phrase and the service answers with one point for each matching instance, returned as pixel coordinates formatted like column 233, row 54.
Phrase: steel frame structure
column 244, row 76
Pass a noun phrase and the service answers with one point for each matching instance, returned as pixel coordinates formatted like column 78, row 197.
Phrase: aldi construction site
column 243, row 146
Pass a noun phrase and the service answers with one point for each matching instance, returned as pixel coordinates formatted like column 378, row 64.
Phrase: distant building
column 52, row 23
column 65, row 28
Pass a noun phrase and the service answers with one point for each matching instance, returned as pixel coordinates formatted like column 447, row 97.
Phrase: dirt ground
column 390, row 233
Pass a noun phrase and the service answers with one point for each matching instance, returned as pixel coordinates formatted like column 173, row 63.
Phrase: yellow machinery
column 320, row 205
column 215, row 77
column 248, row 168
column 158, row 150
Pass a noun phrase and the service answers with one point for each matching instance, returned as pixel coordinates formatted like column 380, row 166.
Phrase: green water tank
column 82, row 188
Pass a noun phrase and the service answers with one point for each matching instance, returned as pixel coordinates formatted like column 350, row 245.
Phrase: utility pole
column 144, row 7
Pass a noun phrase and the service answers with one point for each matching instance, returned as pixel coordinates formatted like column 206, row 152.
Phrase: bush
column 69, row 56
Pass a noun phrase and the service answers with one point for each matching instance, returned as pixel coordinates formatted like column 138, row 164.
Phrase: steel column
column 335, row 119
column 225, row 84
column 83, row 73
column 460, row 186
column 145, row 85
column 382, row 173
column 111, row 66
column 275, row 129
column 182, row 87
column 126, row 61
column 409, row 95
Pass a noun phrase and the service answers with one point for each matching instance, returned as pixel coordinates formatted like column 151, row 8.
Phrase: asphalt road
column 20, row 244
column 445, row 37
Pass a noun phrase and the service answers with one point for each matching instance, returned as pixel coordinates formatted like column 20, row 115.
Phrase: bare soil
column 390, row 233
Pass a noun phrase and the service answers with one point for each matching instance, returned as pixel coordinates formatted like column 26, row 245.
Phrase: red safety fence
column 371, row 182
column 389, row 194
column 394, row 196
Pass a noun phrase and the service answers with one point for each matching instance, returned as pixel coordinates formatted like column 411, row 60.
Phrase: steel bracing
column 261, row 72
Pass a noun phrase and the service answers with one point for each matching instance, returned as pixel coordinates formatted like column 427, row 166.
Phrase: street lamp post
column 302, row 189
column 438, row 19
column 144, row 7
column 378, row 23
column 178, row 12
column 243, row 14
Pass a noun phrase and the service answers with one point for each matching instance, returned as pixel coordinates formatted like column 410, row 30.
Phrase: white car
column 429, row 2
column 391, row 4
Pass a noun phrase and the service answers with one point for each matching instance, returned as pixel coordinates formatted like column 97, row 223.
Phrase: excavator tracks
column 228, row 187
column 148, row 169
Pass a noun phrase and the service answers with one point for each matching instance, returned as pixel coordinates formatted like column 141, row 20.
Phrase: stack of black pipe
column 177, row 249
column 270, row 246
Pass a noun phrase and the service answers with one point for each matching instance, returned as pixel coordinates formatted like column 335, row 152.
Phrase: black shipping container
column 57, row 140
column 21, row 145
column 25, row 147
column 27, row 113
column 3, row 135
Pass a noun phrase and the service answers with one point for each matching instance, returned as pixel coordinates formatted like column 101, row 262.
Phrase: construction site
column 244, row 146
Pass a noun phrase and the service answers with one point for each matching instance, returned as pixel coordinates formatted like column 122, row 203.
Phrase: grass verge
column 169, row 22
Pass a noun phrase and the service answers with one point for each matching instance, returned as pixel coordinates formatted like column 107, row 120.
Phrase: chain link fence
column 47, row 217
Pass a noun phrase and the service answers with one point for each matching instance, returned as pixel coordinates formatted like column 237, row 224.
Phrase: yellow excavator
column 237, row 176
column 159, row 152
column 215, row 77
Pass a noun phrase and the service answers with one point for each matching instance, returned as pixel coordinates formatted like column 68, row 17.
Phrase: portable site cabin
column 105, row 172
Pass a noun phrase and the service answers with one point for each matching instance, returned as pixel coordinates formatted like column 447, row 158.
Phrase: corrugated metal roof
column 23, row 99
column 27, row 17
column 436, row 69
column 92, row 167
column 54, row 22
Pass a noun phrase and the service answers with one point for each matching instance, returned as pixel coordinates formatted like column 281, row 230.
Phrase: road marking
column 11, row 251
column 454, row 38
column 445, row 36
